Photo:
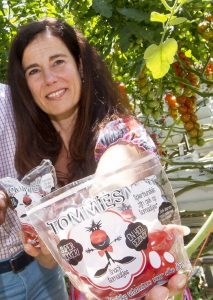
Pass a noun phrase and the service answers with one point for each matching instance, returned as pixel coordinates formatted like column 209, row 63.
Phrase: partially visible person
column 64, row 97
column 21, row 276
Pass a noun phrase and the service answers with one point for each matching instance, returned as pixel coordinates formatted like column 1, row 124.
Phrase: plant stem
column 190, row 187
column 186, row 168
column 182, row 163
column 203, row 94
column 173, row 10
column 166, row 5
column 200, row 236
column 169, row 133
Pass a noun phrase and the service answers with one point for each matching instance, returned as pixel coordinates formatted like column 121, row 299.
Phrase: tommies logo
column 89, row 208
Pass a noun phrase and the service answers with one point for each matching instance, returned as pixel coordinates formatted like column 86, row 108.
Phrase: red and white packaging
column 116, row 235
column 27, row 192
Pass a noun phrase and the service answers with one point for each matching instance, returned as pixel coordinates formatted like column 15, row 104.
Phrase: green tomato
column 193, row 141
column 153, row 104
column 200, row 142
column 147, row 111
column 178, row 90
column 156, row 114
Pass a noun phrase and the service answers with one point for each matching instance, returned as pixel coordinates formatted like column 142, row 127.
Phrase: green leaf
column 124, row 42
column 177, row 21
column 157, row 17
column 103, row 7
column 159, row 57
column 169, row 48
column 134, row 14
column 126, row 32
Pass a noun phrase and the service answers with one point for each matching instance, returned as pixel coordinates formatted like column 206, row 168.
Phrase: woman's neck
column 65, row 127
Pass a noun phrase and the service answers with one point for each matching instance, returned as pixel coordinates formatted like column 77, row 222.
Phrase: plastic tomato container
column 116, row 235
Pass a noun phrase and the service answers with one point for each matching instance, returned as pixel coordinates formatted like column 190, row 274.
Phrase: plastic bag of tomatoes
column 115, row 235
column 34, row 185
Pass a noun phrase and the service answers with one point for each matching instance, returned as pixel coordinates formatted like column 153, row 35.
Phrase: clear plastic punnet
column 115, row 235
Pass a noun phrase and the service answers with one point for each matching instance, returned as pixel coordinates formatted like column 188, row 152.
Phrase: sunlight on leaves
column 157, row 17
column 159, row 57
column 177, row 21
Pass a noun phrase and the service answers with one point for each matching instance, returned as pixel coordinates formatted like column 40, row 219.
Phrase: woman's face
column 52, row 76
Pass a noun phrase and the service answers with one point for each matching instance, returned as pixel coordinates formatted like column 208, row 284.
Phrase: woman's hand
column 41, row 254
column 175, row 286
column 4, row 204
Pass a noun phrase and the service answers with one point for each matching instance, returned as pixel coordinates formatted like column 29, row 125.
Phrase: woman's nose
column 49, row 77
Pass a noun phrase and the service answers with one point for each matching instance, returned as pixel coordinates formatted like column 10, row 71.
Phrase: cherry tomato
column 190, row 103
column 194, row 118
column 153, row 104
column 208, row 17
column 171, row 100
column 193, row 141
column 160, row 240
column 200, row 142
column 182, row 109
column 193, row 133
column 185, row 117
column 188, row 92
column 181, row 99
column 173, row 113
column 200, row 132
column 189, row 125
column 202, row 26
column 122, row 88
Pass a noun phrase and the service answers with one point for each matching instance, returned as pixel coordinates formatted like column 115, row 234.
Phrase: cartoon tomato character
column 27, row 200
column 101, row 242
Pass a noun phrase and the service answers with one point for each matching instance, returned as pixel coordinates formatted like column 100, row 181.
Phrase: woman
column 68, row 109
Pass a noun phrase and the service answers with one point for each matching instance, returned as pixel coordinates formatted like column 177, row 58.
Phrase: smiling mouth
column 56, row 94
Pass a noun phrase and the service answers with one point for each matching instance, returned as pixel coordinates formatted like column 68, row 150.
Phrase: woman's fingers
column 44, row 249
column 158, row 293
column 31, row 250
column 28, row 248
column 177, row 283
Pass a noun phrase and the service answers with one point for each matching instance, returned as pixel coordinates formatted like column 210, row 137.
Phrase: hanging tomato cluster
column 184, row 104
column 151, row 105
column 205, row 28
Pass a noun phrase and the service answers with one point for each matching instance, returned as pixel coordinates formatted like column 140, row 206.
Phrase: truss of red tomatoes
column 184, row 105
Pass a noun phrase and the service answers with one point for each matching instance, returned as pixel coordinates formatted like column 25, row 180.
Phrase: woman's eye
column 32, row 72
column 58, row 62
